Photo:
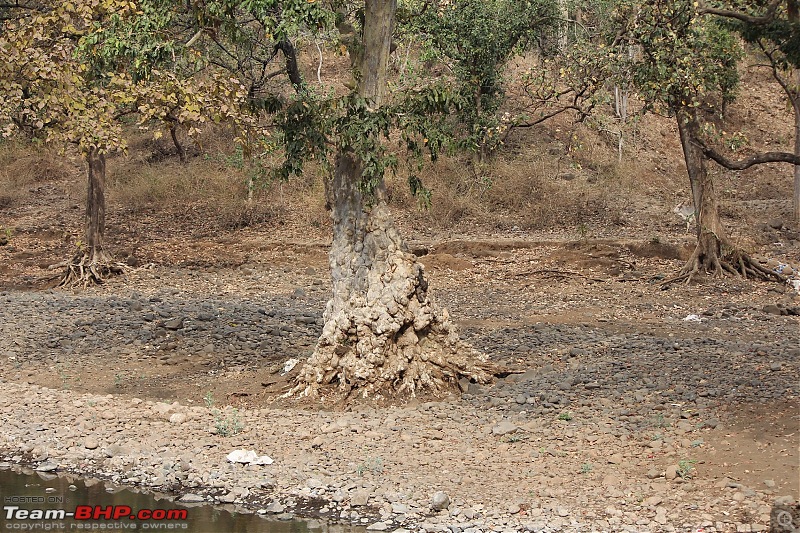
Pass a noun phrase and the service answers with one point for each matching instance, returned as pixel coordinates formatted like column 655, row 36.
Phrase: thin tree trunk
column 796, row 190
column 96, row 206
column 91, row 263
column 708, row 227
column 173, row 131
column 692, row 157
column 383, row 333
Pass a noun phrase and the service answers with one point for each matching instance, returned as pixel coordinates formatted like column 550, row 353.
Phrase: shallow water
column 28, row 496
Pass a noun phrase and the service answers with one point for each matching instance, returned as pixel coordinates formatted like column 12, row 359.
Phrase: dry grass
column 215, row 181
column 538, row 182
column 24, row 166
column 539, row 187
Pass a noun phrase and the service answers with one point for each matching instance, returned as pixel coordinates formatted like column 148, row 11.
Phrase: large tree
column 384, row 334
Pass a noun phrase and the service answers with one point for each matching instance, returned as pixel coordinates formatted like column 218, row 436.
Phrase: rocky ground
column 630, row 408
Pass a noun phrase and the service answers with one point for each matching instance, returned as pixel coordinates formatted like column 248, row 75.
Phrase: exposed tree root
column 405, row 368
column 87, row 269
column 734, row 262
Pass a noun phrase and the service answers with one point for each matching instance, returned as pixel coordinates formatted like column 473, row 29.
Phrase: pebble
column 440, row 501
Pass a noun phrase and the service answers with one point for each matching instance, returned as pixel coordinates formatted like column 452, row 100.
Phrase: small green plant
column 586, row 468
column 685, row 468
column 566, row 416
column 209, row 399
column 515, row 437
column 66, row 378
column 119, row 379
column 655, row 240
column 659, row 421
column 373, row 464
column 583, row 231
column 227, row 425
column 5, row 235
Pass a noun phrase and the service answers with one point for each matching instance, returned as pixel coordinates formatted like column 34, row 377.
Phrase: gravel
column 566, row 442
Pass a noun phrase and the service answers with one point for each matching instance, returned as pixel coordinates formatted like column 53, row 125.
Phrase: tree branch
column 768, row 16
column 757, row 159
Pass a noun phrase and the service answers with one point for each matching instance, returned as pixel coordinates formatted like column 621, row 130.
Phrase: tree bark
column 383, row 335
column 292, row 70
column 173, row 131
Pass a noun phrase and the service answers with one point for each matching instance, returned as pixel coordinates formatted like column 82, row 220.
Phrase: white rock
column 249, row 457
column 289, row 365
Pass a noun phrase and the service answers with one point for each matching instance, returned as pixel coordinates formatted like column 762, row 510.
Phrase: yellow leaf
column 157, row 134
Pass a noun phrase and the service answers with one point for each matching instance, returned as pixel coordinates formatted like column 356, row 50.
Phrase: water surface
column 28, row 496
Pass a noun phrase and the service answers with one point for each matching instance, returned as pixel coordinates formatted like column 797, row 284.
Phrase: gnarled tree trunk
column 714, row 254
column 383, row 333
column 91, row 264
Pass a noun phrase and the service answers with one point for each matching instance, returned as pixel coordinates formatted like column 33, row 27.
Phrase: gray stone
column 378, row 526
column 115, row 450
column 314, row 483
column 177, row 418
column 274, row 507
column 440, row 501
column 228, row 498
column 90, row 443
column 503, row 428
column 47, row 466
column 191, row 498
column 174, row 323
column 399, row 508
column 360, row 498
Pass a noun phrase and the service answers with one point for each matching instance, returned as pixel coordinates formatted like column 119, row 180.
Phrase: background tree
column 69, row 75
column 688, row 66
column 476, row 39
column 774, row 30
column 49, row 92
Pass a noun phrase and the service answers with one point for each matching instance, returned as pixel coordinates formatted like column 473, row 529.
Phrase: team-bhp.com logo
column 89, row 517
